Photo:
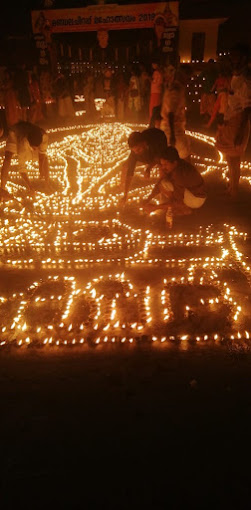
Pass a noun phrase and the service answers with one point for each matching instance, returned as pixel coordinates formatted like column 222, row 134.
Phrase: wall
column 188, row 27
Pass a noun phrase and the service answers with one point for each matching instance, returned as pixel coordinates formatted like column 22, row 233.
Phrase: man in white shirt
column 173, row 114
column 26, row 140
column 233, row 135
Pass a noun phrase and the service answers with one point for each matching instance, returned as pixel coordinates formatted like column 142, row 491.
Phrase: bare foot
column 5, row 195
column 181, row 210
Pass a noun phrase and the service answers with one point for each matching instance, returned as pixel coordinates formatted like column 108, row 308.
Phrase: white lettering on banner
column 110, row 17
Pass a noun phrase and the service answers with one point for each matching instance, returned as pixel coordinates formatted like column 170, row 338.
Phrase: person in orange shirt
column 35, row 112
column 222, row 87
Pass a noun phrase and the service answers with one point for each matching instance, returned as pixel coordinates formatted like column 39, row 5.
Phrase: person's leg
column 180, row 209
column 216, row 108
column 155, row 100
column 147, row 173
column 43, row 167
column 24, row 114
column 234, row 174
column 5, row 169
column 155, row 116
column 236, row 165
column 182, row 144
column 27, row 181
column 123, row 176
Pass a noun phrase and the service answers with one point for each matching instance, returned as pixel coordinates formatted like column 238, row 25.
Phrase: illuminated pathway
column 76, row 270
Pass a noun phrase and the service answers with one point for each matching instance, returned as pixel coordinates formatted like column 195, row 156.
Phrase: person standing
column 46, row 89
column 145, row 87
column 64, row 99
column 233, row 133
column 221, row 86
column 120, row 95
column 207, row 78
column 23, row 91
column 26, row 140
column 88, row 91
column 156, row 88
column 35, row 112
column 12, row 106
column 173, row 114
column 134, row 97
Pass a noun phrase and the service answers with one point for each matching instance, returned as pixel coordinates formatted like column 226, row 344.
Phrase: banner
column 105, row 17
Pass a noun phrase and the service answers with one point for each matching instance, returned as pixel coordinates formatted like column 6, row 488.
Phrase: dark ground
column 147, row 427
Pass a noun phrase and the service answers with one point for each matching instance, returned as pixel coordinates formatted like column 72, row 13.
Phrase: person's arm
column 129, row 172
column 23, row 172
column 214, row 113
column 148, row 207
column 246, row 115
column 171, row 125
column 174, row 100
column 161, row 144
column 43, row 166
column 5, row 168
column 214, row 85
column 167, row 113
column 43, row 158
column 27, row 181
column 245, row 95
column 5, row 195
column 148, row 169
column 154, row 193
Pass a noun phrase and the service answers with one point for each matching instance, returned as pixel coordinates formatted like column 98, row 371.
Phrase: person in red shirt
column 222, row 87
column 156, row 91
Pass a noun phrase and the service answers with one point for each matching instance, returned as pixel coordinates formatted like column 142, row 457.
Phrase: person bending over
column 25, row 140
column 181, row 186
column 146, row 147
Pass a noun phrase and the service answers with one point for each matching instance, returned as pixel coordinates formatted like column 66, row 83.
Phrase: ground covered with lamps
column 114, row 326
column 77, row 268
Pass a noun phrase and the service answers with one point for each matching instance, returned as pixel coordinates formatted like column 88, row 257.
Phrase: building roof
column 204, row 9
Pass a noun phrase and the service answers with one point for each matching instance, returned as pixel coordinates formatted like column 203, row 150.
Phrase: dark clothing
column 103, row 54
column 156, row 142
column 186, row 176
column 61, row 87
column 156, row 115
column 22, row 87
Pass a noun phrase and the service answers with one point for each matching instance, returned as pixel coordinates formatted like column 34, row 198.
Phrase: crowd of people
column 181, row 188
column 26, row 95
column 132, row 93
column 158, row 98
